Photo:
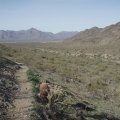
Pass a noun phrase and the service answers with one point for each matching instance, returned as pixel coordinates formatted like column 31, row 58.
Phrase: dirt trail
column 23, row 99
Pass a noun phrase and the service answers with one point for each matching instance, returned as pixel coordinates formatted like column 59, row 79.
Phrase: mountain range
column 33, row 35
column 95, row 35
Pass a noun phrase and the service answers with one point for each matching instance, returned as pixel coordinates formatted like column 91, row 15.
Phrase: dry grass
column 77, row 70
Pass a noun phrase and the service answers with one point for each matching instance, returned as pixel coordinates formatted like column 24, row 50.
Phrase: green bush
column 34, row 79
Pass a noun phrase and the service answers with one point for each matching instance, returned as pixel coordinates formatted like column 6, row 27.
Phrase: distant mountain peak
column 95, row 27
column 33, row 29
column 118, row 23
column 33, row 34
column 102, row 36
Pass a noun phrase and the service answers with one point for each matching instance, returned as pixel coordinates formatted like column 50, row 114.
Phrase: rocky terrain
column 102, row 36
column 8, row 86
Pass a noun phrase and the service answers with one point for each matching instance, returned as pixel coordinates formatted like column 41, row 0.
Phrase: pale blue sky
column 58, row 15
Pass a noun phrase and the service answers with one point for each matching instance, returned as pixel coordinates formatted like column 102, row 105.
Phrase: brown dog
column 44, row 89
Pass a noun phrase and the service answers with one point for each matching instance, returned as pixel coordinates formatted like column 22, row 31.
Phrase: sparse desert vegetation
column 60, row 60
column 86, row 75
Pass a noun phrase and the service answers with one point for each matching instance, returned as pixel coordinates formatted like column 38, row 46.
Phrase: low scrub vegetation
column 80, row 74
column 34, row 79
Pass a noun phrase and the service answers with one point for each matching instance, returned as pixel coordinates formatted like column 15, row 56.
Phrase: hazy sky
column 58, row 15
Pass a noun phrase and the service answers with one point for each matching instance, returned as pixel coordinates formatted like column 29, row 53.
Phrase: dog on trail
column 44, row 89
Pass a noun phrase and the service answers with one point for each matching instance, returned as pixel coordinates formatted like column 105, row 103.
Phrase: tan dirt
column 23, row 99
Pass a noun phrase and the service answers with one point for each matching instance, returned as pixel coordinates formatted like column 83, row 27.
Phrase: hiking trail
column 23, row 99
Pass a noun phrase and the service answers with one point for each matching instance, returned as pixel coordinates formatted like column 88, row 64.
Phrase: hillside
column 33, row 35
column 8, row 86
column 77, row 78
column 103, row 36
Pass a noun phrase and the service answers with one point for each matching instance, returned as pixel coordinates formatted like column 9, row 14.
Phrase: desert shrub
column 85, row 75
column 34, row 78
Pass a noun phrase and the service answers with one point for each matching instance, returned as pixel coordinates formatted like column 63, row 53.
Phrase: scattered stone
column 8, row 85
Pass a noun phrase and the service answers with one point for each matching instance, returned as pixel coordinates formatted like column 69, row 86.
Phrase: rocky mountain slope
column 33, row 35
column 8, row 86
column 95, row 35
